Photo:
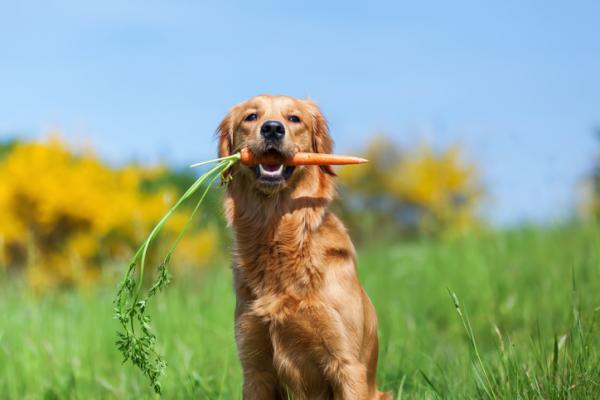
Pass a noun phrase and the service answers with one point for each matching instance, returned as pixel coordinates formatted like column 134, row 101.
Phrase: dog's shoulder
column 333, row 239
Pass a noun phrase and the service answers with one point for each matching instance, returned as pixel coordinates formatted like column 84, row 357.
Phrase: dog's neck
column 279, row 224
column 263, row 215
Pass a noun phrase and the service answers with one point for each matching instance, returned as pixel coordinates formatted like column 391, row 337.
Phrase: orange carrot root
column 248, row 158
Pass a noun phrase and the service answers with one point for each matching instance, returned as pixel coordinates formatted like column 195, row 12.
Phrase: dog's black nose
column 272, row 130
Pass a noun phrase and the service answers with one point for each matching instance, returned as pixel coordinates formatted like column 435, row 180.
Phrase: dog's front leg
column 260, row 385
column 348, row 380
column 256, row 357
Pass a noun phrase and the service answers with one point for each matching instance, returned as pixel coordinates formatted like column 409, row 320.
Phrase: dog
column 303, row 323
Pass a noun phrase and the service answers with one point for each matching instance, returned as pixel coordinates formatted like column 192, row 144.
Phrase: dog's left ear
column 321, row 140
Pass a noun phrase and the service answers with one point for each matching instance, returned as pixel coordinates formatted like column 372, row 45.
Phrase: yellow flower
column 197, row 249
column 73, row 212
column 439, row 191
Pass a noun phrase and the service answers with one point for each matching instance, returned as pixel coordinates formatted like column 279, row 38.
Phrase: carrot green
column 136, row 340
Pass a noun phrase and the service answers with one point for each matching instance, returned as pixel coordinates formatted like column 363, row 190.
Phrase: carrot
column 248, row 158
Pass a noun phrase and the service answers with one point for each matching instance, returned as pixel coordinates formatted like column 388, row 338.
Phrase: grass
column 527, row 325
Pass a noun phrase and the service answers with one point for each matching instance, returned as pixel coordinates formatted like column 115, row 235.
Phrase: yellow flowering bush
column 65, row 214
column 416, row 191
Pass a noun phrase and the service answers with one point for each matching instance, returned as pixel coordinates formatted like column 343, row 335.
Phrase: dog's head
column 278, row 126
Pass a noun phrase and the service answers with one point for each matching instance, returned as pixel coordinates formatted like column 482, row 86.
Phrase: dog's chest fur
column 279, row 266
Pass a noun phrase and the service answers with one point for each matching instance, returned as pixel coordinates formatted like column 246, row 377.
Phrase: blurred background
column 481, row 122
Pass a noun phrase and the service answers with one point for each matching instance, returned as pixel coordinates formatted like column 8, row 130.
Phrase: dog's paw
column 383, row 396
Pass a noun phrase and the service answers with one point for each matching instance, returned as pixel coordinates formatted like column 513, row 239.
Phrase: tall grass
column 527, row 328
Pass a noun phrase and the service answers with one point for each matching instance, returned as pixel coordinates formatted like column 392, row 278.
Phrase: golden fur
column 303, row 322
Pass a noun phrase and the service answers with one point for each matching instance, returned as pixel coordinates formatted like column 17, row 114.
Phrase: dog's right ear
column 225, row 136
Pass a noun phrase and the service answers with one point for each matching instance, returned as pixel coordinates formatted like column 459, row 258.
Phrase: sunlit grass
column 529, row 302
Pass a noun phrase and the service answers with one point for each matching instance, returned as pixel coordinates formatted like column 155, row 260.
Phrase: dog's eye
column 294, row 118
column 251, row 117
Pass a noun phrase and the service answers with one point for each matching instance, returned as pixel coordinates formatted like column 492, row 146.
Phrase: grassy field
column 532, row 299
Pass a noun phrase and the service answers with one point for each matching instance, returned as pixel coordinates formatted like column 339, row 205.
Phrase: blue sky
column 516, row 83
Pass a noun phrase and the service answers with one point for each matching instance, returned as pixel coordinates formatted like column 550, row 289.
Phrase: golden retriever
column 303, row 323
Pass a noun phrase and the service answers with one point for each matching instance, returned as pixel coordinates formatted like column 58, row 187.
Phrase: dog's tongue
column 271, row 168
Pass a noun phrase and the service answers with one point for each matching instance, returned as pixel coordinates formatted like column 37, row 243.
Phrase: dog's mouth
column 273, row 172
